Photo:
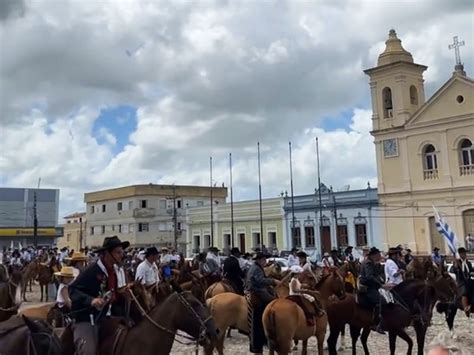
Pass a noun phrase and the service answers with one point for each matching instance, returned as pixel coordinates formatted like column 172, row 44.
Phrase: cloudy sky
column 99, row 94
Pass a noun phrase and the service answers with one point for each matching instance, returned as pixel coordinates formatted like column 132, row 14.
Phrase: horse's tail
column 269, row 324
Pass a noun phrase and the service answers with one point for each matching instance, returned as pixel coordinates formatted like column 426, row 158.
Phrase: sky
column 101, row 94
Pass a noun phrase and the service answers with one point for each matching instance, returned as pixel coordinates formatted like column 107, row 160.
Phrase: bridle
column 202, row 323
column 52, row 341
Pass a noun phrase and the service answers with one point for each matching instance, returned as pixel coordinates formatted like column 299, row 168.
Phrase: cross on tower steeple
column 459, row 67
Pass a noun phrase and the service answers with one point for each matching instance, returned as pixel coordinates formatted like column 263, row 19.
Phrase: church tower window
column 430, row 170
column 387, row 102
column 413, row 95
column 466, row 157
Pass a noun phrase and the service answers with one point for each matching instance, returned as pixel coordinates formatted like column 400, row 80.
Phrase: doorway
column 242, row 242
column 326, row 239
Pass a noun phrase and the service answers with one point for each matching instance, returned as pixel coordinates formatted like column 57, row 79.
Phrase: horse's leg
column 220, row 343
column 450, row 315
column 343, row 338
column 23, row 291
column 392, row 339
column 355, row 332
column 363, row 339
column 332, row 340
column 304, row 350
column 295, row 347
column 420, row 330
column 228, row 333
column 30, row 282
column 41, row 288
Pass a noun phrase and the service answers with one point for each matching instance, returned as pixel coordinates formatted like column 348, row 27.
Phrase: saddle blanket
column 387, row 295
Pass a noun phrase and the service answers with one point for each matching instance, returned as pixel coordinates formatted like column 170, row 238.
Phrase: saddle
column 307, row 307
column 11, row 324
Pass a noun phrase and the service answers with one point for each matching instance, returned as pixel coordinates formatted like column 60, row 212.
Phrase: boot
column 318, row 308
column 377, row 319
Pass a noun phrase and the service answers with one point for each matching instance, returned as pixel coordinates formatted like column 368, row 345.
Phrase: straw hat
column 77, row 256
column 66, row 271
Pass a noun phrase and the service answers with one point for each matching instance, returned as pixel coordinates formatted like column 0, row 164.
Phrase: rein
column 169, row 331
column 31, row 344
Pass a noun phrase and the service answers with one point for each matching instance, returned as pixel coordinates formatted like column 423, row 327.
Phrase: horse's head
column 337, row 284
column 198, row 287
column 142, row 294
column 446, row 288
column 43, row 339
column 195, row 319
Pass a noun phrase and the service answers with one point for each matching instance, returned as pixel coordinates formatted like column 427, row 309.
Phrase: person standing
column 233, row 272
column 464, row 271
column 147, row 271
column 259, row 296
column 94, row 294
column 369, row 284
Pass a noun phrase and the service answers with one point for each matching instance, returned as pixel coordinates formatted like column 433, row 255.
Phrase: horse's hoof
column 295, row 348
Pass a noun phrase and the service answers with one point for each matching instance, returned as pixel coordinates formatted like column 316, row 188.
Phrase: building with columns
column 424, row 149
column 316, row 229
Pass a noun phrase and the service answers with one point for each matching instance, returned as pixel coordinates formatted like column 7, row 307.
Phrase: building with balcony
column 247, row 226
column 74, row 229
column 316, row 228
column 424, row 149
column 17, row 212
column 145, row 214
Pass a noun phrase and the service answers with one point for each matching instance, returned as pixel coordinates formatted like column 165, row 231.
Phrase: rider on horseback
column 93, row 294
column 233, row 272
column 464, row 270
column 369, row 284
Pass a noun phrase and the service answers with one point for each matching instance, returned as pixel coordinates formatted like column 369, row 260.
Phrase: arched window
column 387, row 103
column 430, row 163
column 413, row 95
column 466, row 150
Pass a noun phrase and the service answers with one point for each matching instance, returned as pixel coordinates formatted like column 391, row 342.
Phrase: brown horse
column 10, row 295
column 413, row 297
column 230, row 310
column 422, row 268
column 20, row 335
column 217, row 288
column 197, row 286
column 30, row 273
column 285, row 321
column 45, row 277
column 156, row 333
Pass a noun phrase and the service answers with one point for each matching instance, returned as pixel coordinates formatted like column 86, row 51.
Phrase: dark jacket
column 369, row 275
column 256, row 280
column 234, row 273
column 91, row 283
column 462, row 275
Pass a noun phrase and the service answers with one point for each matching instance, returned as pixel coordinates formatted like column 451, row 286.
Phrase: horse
column 197, row 286
column 421, row 268
column 219, row 287
column 413, row 297
column 10, row 295
column 284, row 320
column 45, row 277
column 156, row 333
column 30, row 272
column 21, row 335
column 230, row 310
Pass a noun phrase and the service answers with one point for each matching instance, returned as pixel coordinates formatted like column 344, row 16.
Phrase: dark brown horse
column 156, row 333
column 414, row 305
column 422, row 268
column 30, row 273
column 10, row 295
column 20, row 335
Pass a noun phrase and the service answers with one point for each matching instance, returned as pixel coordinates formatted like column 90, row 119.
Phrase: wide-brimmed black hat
column 392, row 251
column 151, row 251
column 301, row 254
column 374, row 251
column 293, row 250
column 112, row 243
column 235, row 250
column 213, row 249
column 436, row 248
column 259, row 255
column 462, row 250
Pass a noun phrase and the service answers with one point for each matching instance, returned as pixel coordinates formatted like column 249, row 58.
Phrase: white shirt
column 293, row 260
column 295, row 287
column 59, row 297
column 391, row 268
column 147, row 272
column 166, row 259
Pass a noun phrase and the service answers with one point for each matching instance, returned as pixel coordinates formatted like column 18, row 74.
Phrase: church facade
column 424, row 150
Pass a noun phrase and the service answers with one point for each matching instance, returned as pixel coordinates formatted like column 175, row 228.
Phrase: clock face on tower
column 390, row 148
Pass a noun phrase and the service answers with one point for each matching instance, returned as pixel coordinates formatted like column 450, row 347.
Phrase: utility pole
column 212, row 203
column 231, row 202
column 35, row 222
column 175, row 219
column 293, row 227
column 260, row 242
column 80, row 233
column 335, row 217
column 319, row 192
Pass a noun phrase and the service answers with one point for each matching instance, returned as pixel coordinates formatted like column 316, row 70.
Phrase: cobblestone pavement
column 378, row 344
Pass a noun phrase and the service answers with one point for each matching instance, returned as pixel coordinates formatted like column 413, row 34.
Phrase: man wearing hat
column 304, row 263
column 258, row 296
column 348, row 253
column 77, row 261
column 393, row 273
column 213, row 261
column 93, row 294
column 233, row 272
column 147, row 271
column 435, row 257
column 369, row 284
column 464, row 271
column 292, row 258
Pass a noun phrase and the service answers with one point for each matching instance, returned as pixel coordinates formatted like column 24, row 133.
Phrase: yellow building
column 74, row 231
column 247, row 226
column 424, row 150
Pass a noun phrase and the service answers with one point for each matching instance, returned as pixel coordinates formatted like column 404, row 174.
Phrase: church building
column 424, row 150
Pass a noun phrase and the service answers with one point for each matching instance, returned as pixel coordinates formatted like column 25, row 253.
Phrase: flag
column 446, row 232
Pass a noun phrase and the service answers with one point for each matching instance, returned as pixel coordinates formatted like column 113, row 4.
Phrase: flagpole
column 319, row 193
column 293, row 227
column 212, row 204
column 260, row 196
column 231, row 201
